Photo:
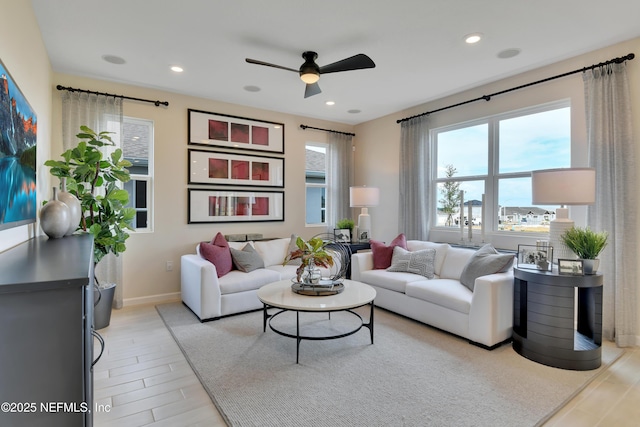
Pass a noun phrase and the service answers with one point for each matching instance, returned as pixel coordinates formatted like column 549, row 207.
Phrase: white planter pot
column 590, row 266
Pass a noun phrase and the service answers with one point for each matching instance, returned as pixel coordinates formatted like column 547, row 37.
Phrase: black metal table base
column 268, row 317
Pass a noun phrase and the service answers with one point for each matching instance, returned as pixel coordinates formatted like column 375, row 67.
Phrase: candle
column 482, row 219
column 461, row 215
column 469, row 217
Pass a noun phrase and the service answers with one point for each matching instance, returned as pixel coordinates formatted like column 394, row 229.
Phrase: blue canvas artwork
column 18, row 135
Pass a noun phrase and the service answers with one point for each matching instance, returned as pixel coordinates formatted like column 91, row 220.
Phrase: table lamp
column 568, row 186
column 364, row 197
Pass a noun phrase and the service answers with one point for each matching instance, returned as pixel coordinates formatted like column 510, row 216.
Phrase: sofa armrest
column 361, row 261
column 491, row 313
column 199, row 286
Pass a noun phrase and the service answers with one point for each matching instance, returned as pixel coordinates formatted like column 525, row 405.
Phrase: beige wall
column 147, row 253
column 23, row 54
column 377, row 141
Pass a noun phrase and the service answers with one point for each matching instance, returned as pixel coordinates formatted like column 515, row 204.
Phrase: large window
column 491, row 160
column 316, row 183
column 137, row 145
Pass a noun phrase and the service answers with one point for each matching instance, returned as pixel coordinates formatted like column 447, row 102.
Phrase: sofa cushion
column 293, row 247
column 418, row 262
column 392, row 281
column 247, row 259
column 448, row 293
column 217, row 252
column 441, row 251
column 485, row 260
column 273, row 251
column 382, row 253
column 454, row 262
column 239, row 281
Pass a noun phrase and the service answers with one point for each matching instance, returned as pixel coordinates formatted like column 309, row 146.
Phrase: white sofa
column 484, row 316
column 211, row 297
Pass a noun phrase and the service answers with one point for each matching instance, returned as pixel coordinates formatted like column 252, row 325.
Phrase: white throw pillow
column 419, row 262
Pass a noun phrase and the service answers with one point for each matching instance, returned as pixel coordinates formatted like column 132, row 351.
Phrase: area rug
column 413, row 375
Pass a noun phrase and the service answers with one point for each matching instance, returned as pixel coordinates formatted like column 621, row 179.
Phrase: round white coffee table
column 280, row 295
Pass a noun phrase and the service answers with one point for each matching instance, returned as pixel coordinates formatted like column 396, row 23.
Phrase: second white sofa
column 483, row 315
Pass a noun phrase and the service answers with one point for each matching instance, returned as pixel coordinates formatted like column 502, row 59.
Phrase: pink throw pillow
column 382, row 254
column 218, row 253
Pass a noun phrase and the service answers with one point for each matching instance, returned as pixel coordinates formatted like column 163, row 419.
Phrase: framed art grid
column 222, row 168
column 215, row 206
column 221, row 130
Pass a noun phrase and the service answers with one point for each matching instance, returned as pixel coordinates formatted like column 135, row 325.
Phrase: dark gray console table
column 46, row 350
column 557, row 319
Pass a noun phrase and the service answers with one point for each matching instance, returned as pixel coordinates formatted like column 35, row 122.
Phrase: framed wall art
column 222, row 168
column 18, row 137
column 211, row 206
column 538, row 257
column 221, row 130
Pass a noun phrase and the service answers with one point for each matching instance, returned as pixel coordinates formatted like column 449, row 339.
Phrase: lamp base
column 557, row 227
column 364, row 226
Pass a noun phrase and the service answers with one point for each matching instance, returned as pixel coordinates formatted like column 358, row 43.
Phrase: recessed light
column 472, row 38
column 113, row 59
column 252, row 88
column 177, row 69
column 330, row 103
column 509, row 53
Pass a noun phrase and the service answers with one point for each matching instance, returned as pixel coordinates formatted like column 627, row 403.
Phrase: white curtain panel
column 100, row 113
column 415, row 182
column 612, row 153
column 340, row 177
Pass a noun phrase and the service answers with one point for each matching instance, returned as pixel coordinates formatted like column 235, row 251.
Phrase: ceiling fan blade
column 312, row 89
column 255, row 61
column 356, row 62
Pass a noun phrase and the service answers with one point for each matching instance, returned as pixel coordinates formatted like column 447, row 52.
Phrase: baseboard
column 152, row 299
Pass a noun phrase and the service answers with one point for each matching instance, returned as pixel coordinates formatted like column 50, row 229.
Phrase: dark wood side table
column 557, row 319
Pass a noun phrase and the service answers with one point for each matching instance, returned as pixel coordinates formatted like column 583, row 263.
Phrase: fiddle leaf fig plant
column 94, row 179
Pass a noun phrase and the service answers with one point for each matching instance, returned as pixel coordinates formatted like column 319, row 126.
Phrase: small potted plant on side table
column 587, row 245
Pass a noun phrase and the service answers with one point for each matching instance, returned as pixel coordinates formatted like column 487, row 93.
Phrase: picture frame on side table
column 222, row 168
column 240, row 133
column 535, row 257
column 216, row 206
column 342, row 235
column 571, row 267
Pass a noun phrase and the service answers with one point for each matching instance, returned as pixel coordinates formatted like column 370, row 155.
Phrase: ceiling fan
column 310, row 71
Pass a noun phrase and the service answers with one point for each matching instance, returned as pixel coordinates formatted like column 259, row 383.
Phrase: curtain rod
column 327, row 130
column 71, row 89
column 488, row 97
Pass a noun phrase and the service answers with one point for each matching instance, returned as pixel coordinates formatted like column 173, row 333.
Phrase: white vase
column 54, row 217
column 75, row 209
column 590, row 266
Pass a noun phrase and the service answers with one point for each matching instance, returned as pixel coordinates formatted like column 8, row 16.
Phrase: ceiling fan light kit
column 310, row 71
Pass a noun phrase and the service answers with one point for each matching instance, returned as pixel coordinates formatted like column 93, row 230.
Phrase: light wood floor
column 143, row 379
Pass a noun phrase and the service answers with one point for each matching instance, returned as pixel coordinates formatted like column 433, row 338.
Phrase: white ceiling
column 417, row 46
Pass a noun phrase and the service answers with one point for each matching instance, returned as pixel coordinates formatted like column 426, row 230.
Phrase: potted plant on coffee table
column 312, row 253
column 587, row 245
column 95, row 180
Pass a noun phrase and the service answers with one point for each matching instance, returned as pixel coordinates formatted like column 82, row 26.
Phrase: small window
column 316, row 183
column 138, row 149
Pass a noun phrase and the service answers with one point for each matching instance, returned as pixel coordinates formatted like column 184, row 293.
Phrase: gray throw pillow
column 485, row 261
column 247, row 259
column 420, row 262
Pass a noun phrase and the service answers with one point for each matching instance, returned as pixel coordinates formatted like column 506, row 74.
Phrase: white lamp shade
column 364, row 196
column 569, row 186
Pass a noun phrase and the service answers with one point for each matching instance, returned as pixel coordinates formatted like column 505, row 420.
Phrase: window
column 491, row 160
column 137, row 145
column 316, row 183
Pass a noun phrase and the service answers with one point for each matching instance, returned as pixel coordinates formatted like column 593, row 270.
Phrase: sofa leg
column 493, row 347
